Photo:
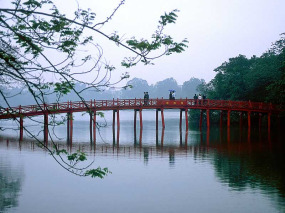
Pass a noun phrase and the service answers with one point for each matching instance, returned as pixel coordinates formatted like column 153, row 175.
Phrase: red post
column 71, row 127
column 118, row 126
column 21, row 127
column 221, row 118
column 259, row 121
column 114, row 126
column 229, row 118
column 45, row 128
column 90, row 126
column 162, row 136
column 135, row 120
column 162, row 119
column 156, row 119
column 186, row 119
column 269, row 122
column 248, row 120
column 201, row 119
column 180, row 120
column 141, row 123
column 94, row 126
column 240, row 119
column 118, row 119
column 208, row 118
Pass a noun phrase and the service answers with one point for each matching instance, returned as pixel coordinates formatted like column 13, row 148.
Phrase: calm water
column 215, row 171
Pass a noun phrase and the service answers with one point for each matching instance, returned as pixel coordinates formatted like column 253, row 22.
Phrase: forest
column 259, row 79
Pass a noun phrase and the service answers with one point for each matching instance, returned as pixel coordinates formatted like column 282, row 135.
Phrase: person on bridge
column 199, row 98
column 147, row 98
column 144, row 98
column 173, row 95
column 195, row 99
column 170, row 95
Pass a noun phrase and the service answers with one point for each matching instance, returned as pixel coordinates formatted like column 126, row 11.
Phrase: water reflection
column 241, row 159
column 11, row 178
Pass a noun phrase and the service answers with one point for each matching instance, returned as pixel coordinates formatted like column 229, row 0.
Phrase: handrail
column 134, row 103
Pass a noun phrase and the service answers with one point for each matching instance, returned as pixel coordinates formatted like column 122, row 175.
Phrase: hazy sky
column 216, row 30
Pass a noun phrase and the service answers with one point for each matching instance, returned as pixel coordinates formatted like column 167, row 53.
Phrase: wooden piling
column 162, row 119
column 135, row 119
column 118, row 126
column 94, row 126
column 186, row 119
column 156, row 120
column 141, row 122
column 71, row 127
column 259, row 121
column 229, row 119
column 90, row 127
column 21, row 128
column 180, row 120
column 208, row 118
column 248, row 119
column 45, row 128
column 201, row 119
column 221, row 118
column 269, row 122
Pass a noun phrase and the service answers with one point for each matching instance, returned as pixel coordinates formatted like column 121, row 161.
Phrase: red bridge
column 138, row 105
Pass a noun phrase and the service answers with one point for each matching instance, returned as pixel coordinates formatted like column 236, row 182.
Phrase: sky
column 216, row 30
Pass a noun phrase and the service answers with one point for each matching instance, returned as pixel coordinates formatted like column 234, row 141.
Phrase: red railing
column 137, row 104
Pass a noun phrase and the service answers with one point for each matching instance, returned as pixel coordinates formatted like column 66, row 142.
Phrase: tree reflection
column 10, row 185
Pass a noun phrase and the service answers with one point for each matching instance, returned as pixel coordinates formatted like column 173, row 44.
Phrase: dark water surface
column 202, row 171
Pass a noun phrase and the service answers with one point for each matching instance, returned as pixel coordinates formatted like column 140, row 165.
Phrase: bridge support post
column 156, row 120
column 21, row 128
column 259, row 121
column 45, row 128
column 208, row 118
column 186, row 119
column 162, row 119
column 118, row 126
column 90, row 126
column 248, row 120
column 221, row 118
column 180, row 120
column 135, row 120
column 201, row 119
column 240, row 119
column 141, row 123
column 71, row 126
column 269, row 122
column 114, row 118
column 94, row 126
column 229, row 119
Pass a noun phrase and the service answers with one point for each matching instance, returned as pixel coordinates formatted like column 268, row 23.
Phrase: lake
column 219, row 170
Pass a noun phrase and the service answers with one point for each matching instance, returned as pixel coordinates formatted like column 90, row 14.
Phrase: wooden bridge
column 93, row 106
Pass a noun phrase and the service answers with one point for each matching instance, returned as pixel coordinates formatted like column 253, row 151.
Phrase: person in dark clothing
column 195, row 99
column 170, row 95
column 147, row 98
column 144, row 98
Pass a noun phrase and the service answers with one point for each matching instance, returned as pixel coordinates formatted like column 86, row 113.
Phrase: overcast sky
column 216, row 30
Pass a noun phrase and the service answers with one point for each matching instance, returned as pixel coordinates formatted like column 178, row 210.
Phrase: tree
column 259, row 79
column 161, row 88
column 189, row 88
column 138, row 87
column 33, row 31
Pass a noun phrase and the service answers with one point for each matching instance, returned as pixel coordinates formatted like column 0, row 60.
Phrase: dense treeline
column 259, row 79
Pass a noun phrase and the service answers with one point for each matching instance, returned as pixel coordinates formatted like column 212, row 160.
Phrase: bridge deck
column 123, row 104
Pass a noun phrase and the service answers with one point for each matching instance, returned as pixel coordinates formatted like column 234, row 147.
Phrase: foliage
column 33, row 32
column 256, row 79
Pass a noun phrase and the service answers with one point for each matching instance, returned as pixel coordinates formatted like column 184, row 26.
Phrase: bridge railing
column 133, row 103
